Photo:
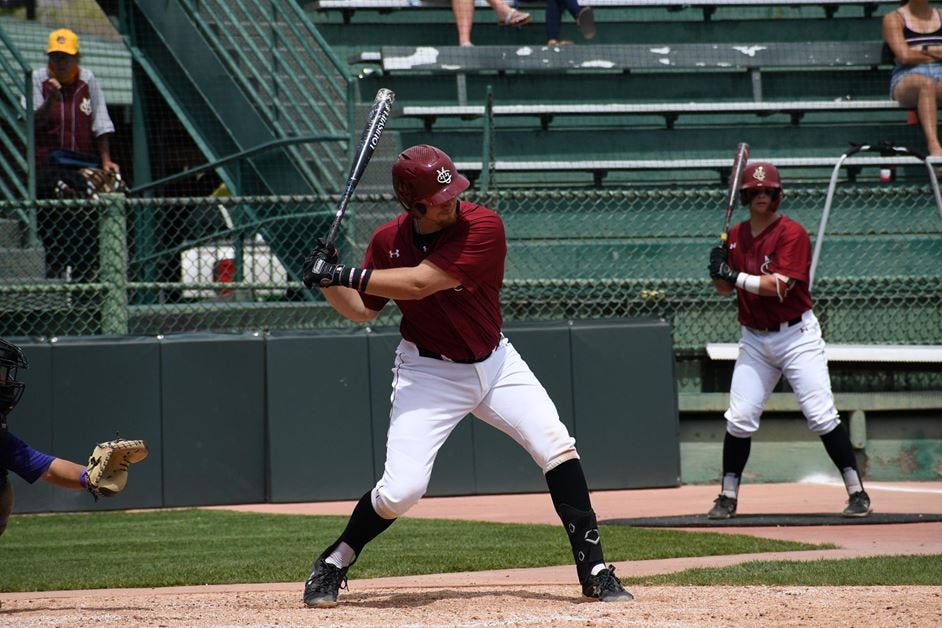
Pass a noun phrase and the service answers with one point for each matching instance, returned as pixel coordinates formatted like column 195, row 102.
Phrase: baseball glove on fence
column 107, row 471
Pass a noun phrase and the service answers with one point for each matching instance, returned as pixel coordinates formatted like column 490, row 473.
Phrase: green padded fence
column 571, row 255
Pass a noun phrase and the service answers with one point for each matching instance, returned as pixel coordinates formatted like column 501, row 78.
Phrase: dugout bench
column 854, row 405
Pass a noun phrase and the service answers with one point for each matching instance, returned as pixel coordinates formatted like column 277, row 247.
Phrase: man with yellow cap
column 70, row 109
column 72, row 132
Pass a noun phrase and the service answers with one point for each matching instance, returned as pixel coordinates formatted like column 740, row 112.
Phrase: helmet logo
column 444, row 176
column 759, row 173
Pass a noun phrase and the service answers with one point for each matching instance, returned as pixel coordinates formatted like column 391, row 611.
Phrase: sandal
column 515, row 18
column 586, row 22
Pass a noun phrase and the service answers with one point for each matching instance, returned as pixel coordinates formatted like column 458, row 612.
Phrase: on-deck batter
column 768, row 262
column 442, row 262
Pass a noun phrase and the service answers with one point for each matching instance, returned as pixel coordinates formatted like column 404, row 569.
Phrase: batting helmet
column 11, row 359
column 424, row 175
column 761, row 175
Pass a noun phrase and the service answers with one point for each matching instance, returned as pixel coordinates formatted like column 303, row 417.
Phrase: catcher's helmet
column 11, row 359
column 761, row 175
column 424, row 175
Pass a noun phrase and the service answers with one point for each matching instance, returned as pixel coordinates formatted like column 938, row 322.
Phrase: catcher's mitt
column 107, row 472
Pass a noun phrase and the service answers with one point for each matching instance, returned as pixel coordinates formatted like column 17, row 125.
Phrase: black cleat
column 858, row 505
column 323, row 585
column 605, row 587
column 723, row 508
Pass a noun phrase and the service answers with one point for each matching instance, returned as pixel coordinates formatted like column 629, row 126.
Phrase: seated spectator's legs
column 464, row 19
column 554, row 19
column 922, row 93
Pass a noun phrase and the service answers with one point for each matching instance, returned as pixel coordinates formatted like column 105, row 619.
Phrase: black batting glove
column 318, row 271
column 719, row 266
column 328, row 251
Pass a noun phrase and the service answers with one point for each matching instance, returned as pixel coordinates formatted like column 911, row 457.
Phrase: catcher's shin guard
column 584, row 537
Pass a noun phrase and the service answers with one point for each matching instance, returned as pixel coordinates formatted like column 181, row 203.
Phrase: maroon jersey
column 784, row 248
column 462, row 323
column 76, row 118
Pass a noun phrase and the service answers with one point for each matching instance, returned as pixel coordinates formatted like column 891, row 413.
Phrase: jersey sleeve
column 101, row 121
column 793, row 253
column 469, row 259
column 17, row 456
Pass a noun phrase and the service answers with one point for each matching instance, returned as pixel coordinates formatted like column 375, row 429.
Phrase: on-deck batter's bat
column 735, row 178
column 369, row 138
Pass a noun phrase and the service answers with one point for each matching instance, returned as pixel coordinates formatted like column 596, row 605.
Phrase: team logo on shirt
column 86, row 106
column 764, row 269
column 444, row 175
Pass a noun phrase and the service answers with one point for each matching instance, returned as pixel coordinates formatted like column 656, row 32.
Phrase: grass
column 191, row 547
column 871, row 571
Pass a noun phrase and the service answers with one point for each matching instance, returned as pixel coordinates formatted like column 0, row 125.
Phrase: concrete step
column 22, row 262
column 10, row 233
column 33, row 301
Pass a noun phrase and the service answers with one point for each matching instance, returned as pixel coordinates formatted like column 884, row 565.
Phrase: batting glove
column 719, row 267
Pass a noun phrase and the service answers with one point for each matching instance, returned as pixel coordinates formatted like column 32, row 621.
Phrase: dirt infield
column 548, row 596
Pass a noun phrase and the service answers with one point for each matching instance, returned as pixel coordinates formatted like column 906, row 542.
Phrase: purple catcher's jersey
column 22, row 459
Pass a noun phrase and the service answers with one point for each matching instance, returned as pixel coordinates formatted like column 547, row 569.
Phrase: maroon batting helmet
column 425, row 175
column 761, row 175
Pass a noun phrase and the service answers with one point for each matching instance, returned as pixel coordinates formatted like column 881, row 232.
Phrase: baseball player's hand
column 719, row 267
column 329, row 251
column 319, row 272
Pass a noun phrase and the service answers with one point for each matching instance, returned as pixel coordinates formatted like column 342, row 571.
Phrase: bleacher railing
column 572, row 255
column 296, row 79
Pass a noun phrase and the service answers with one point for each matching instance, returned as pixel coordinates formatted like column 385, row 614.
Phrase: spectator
column 72, row 140
column 585, row 20
column 71, row 114
column 913, row 33
column 464, row 17
column 15, row 454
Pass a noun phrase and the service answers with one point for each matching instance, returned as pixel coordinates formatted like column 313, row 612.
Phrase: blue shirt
column 17, row 456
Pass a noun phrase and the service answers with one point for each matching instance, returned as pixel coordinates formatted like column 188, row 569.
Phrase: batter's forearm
column 349, row 304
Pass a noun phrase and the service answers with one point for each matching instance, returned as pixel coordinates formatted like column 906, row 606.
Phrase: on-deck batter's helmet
column 424, row 175
column 11, row 359
column 761, row 175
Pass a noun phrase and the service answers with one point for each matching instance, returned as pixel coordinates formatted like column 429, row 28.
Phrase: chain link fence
column 121, row 265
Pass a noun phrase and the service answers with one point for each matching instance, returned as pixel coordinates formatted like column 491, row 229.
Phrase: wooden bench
column 856, row 404
column 681, row 59
column 708, row 7
column 670, row 111
column 722, row 166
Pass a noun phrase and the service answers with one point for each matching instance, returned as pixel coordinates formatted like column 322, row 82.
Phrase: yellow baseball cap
column 63, row 40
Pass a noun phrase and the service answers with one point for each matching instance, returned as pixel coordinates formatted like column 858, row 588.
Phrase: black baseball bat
column 369, row 138
column 735, row 178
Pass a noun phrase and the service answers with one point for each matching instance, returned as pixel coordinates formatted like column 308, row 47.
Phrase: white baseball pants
column 429, row 399
column 797, row 352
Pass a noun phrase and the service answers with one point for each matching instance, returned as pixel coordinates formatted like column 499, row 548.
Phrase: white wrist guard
column 747, row 282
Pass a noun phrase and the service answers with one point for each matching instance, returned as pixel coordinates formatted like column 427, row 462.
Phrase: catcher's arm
column 107, row 471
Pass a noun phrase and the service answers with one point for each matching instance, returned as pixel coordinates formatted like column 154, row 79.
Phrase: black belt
column 425, row 353
column 790, row 323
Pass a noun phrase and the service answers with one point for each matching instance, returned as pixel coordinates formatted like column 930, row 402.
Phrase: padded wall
column 213, row 397
column 319, row 427
column 302, row 416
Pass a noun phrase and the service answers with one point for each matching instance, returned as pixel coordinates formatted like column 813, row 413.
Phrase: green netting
column 151, row 266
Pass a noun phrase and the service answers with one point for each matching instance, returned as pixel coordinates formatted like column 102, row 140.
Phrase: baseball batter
column 442, row 262
column 767, row 263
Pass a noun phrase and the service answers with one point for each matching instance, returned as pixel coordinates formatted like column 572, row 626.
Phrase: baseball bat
column 735, row 178
column 369, row 138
